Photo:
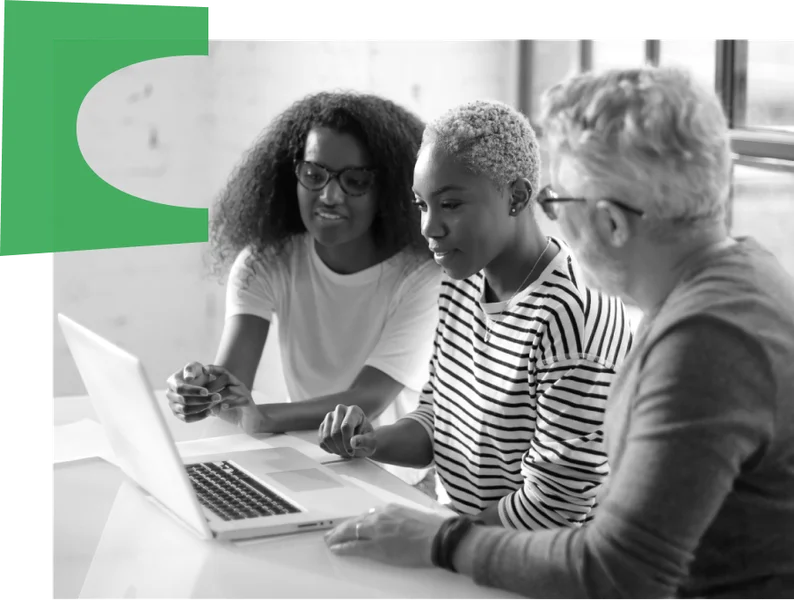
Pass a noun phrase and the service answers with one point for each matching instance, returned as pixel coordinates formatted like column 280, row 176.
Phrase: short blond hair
column 489, row 138
column 649, row 135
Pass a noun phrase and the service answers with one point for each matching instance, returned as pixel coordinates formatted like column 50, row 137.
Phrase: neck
column 350, row 257
column 659, row 268
column 507, row 274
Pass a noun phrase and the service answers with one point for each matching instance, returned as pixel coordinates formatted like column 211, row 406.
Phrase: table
column 111, row 541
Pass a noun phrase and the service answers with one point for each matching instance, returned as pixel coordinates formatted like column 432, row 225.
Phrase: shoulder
column 577, row 321
column 561, row 296
column 705, row 338
column 413, row 273
column 266, row 264
column 713, row 358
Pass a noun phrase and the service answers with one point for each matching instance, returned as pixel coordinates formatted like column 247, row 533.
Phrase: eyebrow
column 442, row 189
column 349, row 167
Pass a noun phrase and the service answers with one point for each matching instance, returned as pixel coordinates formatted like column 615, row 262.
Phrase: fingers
column 217, row 384
column 347, row 432
column 193, row 400
column 219, row 371
column 192, row 418
column 194, row 371
column 231, row 400
column 354, row 548
column 185, row 382
column 334, row 436
column 352, row 417
column 324, row 433
column 339, row 426
column 187, row 413
column 352, row 530
column 363, row 445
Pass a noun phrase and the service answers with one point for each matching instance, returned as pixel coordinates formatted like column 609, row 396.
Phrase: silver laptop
column 235, row 495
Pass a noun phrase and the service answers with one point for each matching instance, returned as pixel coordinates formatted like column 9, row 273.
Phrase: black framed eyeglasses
column 354, row 181
column 549, row 200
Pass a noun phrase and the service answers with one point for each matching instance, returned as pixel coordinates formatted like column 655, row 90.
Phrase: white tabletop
column 111, row 541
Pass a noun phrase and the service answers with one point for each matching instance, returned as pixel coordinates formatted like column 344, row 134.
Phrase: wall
column 171, row 130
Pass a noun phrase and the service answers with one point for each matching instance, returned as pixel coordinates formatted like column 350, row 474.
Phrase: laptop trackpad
column 305, row 480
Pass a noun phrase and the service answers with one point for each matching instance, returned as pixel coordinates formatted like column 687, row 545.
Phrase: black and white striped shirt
column 518, row 419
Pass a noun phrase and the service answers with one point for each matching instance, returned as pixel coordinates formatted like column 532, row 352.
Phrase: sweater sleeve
column 704, row 406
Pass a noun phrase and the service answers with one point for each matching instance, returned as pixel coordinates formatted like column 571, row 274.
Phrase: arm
column 409, row 442
column 240, row 351
column 405, row 444
column 566, row 461
column 703, row 408
column 399, row 359
column 372, row 391
column 242, row 342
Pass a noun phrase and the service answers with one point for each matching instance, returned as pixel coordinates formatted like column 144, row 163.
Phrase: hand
column 192, row 391
column 237, row 406
column 346, row 431
column 394, row 535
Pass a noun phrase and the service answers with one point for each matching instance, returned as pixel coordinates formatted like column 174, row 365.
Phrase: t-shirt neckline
column 365, row 276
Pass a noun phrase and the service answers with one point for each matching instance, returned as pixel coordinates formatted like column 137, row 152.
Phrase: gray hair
column 489, row 138
column 648, row 134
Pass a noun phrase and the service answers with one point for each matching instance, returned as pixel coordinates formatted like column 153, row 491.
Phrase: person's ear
column 611, row 224
column 520, row 195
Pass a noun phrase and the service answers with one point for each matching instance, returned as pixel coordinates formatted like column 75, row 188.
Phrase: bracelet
column 447, row 539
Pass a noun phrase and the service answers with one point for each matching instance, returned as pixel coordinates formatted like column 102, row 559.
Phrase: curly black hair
column 259, row 206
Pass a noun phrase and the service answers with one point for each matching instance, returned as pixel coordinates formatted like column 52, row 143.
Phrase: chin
column 331, row 238
column 458, row 272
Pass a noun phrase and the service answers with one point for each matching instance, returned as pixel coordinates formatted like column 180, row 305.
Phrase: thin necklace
column 488, row 320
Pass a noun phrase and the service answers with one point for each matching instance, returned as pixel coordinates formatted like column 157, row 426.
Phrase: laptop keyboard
column 232, row 494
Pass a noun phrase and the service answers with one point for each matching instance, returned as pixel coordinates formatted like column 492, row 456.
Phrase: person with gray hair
column 524, row 353
column 700, row 422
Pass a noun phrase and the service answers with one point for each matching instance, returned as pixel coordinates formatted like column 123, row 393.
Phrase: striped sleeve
column 566, row 462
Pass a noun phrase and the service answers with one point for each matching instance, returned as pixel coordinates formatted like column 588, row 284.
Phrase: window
column 544, row 63
column 609, row 54
column 698, row 56
column 770, row 85
column 763, row 207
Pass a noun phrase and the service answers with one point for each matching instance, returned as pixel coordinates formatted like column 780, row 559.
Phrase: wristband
column 447, row 539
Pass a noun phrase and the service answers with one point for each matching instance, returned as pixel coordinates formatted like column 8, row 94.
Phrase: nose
column 432, row 224
column 332, row 194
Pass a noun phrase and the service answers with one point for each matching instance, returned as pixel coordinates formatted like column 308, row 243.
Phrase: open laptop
column 235, row 495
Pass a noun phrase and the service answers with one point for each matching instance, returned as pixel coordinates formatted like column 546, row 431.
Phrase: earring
column 513, row 210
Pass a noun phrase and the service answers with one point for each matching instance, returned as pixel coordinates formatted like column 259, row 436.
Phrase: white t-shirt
column 332, row 325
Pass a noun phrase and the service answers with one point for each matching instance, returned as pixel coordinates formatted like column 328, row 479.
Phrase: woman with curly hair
column 319, row 226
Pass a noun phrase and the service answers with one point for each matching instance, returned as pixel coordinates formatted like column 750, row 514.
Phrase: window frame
column 764, row 149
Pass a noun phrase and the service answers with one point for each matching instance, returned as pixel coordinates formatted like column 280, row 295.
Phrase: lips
column 329, row 215
column 443, row 257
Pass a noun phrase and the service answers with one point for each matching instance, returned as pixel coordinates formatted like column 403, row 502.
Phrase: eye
column 313, row 174
column 450, row 204
column 420, row 204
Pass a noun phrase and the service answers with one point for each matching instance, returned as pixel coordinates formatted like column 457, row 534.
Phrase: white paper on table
column 79, row 440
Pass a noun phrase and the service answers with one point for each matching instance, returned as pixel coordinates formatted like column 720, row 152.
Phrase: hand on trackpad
column 305, row 480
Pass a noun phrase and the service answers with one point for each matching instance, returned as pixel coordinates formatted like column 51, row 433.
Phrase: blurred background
column 172, row 130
